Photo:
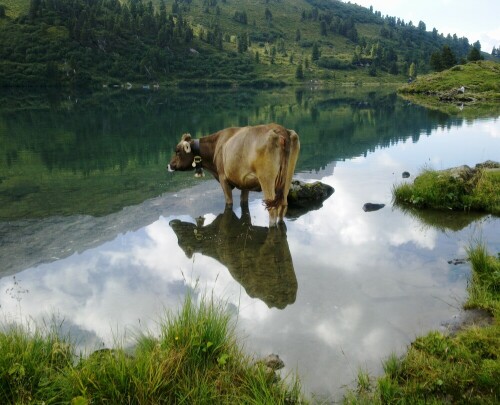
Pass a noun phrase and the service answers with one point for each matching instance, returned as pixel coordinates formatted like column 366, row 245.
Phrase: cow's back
column 245, row 152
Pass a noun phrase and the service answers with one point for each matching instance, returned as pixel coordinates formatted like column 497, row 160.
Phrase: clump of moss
column 462, row 188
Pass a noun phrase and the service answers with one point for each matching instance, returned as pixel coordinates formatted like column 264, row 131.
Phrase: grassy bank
column 443, row 91
column 479, row 79
column 463, row 189
column 195, row 360
column 457, row 368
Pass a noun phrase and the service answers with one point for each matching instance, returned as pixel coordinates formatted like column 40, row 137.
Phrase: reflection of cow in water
column 257, row 257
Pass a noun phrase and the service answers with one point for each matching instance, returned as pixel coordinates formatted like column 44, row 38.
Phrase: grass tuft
column 445, row 190
column 195, row 360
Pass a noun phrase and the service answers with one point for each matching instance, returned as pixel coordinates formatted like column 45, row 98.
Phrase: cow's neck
column 205, row 148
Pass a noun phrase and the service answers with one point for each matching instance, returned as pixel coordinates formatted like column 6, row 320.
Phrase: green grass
column 14, row 8
column 442, row 190
column 28, row 361
column 484, row 288
column 462, row 368
column 194, row 360
column 481, row 81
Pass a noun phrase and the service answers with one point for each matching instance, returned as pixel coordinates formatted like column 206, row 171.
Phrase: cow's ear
column 186, row 137
column 186, row 146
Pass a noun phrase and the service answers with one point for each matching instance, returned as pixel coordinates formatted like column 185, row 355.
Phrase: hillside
column 471, row 90
column 480, row 81
column 209, row 42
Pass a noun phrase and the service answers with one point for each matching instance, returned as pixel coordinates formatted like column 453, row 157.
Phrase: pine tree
column 413, row 70
column 299, row 72
column 474, row 55
column 436, row 61
column 315, row 52
column 448, row 57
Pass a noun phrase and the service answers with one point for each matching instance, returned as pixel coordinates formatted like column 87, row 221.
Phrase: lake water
column 94, row 232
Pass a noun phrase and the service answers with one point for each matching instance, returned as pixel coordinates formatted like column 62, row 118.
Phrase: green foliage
column 94, row 42
column 474, row 55
column 299, row 73
column 432, row 189
column 334, row 64
column 443, row 91
column 315, row 53
column 196, row 359
column 484, row 290
column 14, row 8
column 90, row 41
column 28, row 361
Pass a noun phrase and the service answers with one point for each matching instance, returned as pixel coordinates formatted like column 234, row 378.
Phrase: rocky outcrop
column 304, row 197
column 306, row 194
column 466, row 174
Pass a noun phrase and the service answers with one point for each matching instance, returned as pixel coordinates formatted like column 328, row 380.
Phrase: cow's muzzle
column 170, row 168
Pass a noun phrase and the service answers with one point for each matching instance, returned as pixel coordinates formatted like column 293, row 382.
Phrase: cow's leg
column 226, row 188
column 244, row 196
column 292, row 160
column 269, row 194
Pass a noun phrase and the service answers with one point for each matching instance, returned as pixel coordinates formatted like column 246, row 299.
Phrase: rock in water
column 305, row 197
column 369, row 207
column 306, row 194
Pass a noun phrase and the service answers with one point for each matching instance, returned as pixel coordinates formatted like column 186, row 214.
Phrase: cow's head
column 183, row 158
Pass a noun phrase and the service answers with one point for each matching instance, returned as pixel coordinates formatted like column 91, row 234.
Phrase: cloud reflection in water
column 367, row 282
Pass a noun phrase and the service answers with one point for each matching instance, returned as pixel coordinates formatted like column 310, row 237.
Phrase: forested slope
column 215, row 42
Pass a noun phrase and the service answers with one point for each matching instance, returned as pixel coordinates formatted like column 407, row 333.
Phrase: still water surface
column 95, row 232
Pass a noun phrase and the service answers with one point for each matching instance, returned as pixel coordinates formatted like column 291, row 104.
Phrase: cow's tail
column 287, row 141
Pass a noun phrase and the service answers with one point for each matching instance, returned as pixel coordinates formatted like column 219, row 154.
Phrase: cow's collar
column 198, row 169
column 196, row 147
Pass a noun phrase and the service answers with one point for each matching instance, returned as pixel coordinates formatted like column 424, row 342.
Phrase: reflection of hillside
column 257, row 257
column 344, row 128
column 95, row 154
column 26, row 243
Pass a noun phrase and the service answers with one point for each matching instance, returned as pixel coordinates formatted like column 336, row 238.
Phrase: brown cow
column 259, row 158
